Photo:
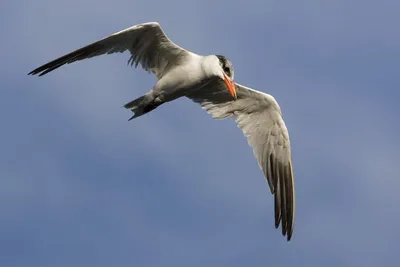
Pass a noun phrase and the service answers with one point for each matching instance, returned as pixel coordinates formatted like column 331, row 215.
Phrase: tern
column 208, row 81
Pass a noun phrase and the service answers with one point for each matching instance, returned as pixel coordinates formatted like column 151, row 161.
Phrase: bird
column 208, row 81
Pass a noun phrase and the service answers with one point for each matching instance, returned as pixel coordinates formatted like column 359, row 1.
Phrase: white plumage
column 208, row 81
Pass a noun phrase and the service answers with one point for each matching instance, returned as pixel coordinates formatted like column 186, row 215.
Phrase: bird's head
column 220, row 67
column 227, row 74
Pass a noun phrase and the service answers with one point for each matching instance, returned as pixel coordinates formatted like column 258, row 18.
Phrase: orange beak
column 231, row 86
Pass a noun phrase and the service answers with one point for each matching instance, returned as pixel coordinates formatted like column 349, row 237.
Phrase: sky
column 82, row 186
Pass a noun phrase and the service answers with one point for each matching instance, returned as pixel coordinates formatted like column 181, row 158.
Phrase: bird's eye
column 226, row 69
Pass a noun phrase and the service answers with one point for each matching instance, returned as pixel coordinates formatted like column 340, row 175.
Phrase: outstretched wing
column 147, row 43
column 259, row 116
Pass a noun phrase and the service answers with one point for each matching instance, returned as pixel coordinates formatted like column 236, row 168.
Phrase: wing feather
column 147, row 43
column 259, row 117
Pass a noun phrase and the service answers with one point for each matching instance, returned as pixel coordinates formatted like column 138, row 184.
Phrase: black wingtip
column 289, row 237
column 35, row 72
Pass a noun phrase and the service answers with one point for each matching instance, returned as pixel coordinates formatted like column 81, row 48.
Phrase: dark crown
column 222, row 59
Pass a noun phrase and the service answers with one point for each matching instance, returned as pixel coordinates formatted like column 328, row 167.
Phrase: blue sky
column 82, row 186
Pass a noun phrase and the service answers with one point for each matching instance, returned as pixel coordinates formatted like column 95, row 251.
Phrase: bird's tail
column 142, row 105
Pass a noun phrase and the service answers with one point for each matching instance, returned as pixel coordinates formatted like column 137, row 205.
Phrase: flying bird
column 208, row 81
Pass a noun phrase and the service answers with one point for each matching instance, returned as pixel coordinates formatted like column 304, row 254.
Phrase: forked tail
column 143, row 105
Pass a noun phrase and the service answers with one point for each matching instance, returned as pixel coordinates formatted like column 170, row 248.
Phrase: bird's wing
column 259, row 116
column 147, row 43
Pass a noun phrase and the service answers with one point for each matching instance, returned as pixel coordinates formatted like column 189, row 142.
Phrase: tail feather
column 143, row 105
column 134, row 103
column 136, row 106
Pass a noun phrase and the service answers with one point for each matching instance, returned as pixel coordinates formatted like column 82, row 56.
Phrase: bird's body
column 208, row 81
